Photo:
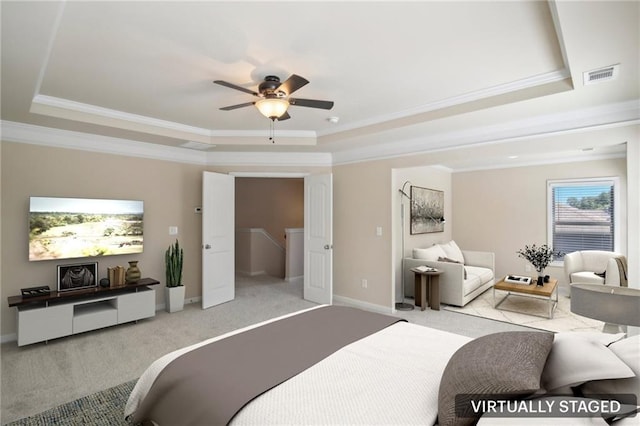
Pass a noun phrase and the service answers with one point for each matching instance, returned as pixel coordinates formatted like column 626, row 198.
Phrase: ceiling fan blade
column 284, row 116
column 233, row 86
column 292, row 84
column 311, row 103
column 230, row 107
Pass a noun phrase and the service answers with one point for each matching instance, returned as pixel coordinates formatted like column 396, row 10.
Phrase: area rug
column 103, row 408
column 523, row 311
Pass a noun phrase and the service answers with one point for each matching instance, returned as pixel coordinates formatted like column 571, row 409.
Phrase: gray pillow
column 507, row 365
column 446, row 259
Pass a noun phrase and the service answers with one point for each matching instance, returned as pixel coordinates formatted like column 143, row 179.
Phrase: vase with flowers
column 540, row 257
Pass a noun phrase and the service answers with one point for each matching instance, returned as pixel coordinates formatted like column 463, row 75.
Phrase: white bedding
column 390, row 377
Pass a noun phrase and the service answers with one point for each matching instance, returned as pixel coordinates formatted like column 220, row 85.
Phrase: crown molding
column 489, row 92
column 284, row 175
column 280, row 159
column 606, row 116
column 64, row 108
column 57, row 138
column 55, row 103
column 596, row 118
column 546, row 161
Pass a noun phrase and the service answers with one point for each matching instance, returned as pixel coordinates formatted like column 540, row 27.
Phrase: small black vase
column 540, row 280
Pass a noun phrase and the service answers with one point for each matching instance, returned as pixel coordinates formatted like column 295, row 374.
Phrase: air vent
column 601, row 75
column 197, row 145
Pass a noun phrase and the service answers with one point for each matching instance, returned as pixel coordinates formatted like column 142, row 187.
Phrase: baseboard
column 162, row 306
column 251, row 273
column 8, row 338
column 362, row 305
column 292, row 279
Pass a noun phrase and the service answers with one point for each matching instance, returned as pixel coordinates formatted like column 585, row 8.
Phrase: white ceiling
column 405, row 77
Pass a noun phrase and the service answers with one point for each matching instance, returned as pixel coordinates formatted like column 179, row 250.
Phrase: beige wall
column 503, row 210
column 431, row 177
column 361, row 200
column 365, row 196
column 270, row 203
column 257, row 253
column 170, row 192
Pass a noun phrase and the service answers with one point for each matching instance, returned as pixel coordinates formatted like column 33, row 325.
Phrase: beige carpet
column 38, row 377
column 525, row 313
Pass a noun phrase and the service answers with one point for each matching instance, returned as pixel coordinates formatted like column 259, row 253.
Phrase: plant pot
column 174, row 298
column 540, row 280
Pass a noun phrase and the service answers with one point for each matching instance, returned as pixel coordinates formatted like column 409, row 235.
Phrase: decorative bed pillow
column 505, row 364
column 446, row 259
column 605, row 339
column 432, row 253
column 628, row 351
column 576, row 358
column 452, row 251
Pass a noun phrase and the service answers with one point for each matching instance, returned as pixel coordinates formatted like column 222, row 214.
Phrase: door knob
column 207, row 246
column 327, row 247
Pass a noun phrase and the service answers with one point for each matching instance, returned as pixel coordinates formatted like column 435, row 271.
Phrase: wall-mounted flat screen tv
column 66, row 228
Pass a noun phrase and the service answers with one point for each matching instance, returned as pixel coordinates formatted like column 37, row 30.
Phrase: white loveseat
column 467, row 274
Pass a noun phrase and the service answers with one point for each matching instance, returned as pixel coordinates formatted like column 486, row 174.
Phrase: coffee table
column 547, row 292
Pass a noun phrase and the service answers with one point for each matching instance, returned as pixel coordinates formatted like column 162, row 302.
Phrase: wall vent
column 602, row 74
column 200, row 146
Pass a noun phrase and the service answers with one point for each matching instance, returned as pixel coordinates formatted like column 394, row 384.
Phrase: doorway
column 219, row 190
column 267, row 209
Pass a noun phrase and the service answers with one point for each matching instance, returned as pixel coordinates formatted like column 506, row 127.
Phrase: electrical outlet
column 364, row 283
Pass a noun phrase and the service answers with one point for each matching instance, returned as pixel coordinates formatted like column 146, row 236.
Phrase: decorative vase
column 133, row 272
column 540, row 280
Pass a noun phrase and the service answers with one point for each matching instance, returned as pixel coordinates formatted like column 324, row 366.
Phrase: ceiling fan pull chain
column 271, row 131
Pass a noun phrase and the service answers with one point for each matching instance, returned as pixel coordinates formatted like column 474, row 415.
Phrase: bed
column 341, row 365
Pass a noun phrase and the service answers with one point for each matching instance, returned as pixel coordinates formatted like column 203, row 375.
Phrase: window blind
column 582, row 215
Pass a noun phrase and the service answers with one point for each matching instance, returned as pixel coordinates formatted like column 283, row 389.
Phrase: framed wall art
column 77, row 276
column 427, row 210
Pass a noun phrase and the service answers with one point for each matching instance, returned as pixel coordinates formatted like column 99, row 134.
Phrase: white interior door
column 318, row 238
column 218, row 239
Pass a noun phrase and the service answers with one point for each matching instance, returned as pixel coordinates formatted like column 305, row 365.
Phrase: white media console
column 62, row 314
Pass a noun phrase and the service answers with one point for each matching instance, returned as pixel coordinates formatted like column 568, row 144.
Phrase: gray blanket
column 210, row 384
column 622, row 270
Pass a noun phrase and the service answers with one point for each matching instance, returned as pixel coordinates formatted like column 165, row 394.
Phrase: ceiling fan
column 275, row 97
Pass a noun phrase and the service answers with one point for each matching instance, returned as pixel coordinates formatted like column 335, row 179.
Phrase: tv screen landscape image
column 66, row 228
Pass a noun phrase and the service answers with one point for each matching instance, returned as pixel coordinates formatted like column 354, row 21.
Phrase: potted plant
column 540, row 257
column 174, row 290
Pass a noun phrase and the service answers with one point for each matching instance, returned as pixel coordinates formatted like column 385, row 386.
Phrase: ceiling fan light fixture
column 272, row 107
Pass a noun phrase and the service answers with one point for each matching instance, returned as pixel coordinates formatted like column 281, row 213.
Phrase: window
column 582, row 214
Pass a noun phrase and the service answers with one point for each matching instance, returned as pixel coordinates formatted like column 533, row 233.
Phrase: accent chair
column 596, row 267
